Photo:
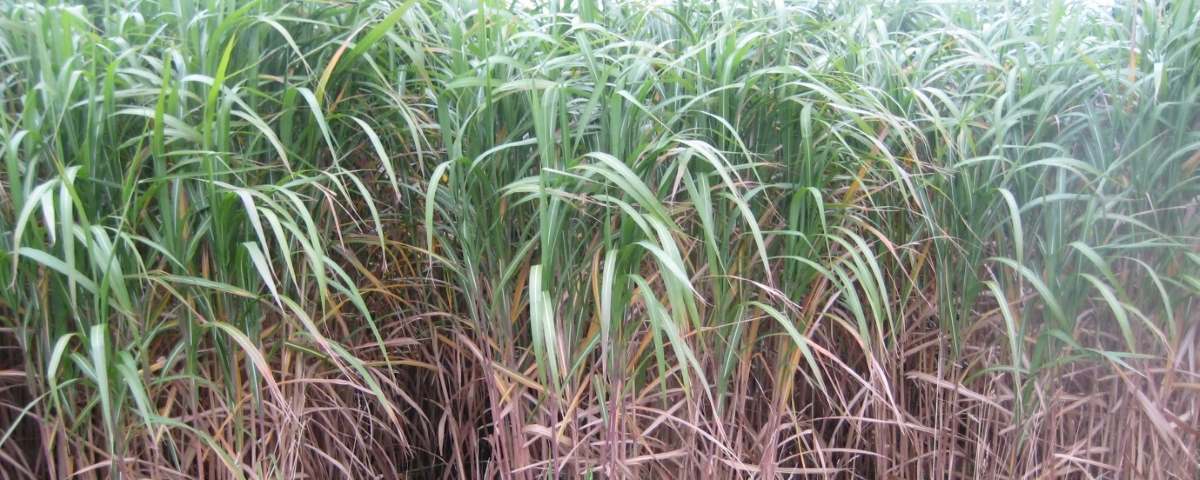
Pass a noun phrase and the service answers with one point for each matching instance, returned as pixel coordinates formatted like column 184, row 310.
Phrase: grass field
column 694, row 239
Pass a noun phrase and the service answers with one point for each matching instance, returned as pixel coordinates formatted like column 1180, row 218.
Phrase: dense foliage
column 726, row 239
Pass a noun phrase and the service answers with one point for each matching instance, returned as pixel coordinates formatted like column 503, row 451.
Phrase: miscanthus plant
column 423, row 239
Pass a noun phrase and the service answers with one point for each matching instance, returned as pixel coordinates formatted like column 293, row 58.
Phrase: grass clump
column 277, row 239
